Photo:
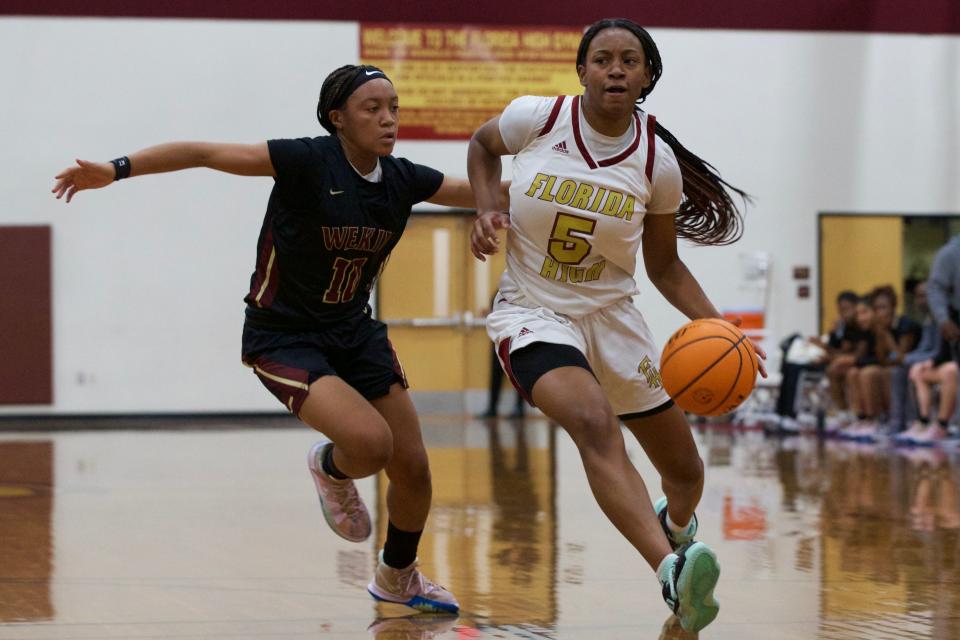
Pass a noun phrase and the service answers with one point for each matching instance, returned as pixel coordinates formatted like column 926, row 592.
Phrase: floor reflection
column 889, row 532
column 174, row 534
column 492, row 531
column 26, row 513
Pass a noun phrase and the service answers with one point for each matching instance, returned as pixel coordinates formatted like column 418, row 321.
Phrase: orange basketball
column 708, row 367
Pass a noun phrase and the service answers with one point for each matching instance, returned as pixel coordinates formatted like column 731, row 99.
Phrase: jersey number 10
column 345, row 280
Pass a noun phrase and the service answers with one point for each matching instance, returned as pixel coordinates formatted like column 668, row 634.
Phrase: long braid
column 707, row 215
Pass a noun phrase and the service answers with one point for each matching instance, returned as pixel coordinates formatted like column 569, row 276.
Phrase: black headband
column 365, row 73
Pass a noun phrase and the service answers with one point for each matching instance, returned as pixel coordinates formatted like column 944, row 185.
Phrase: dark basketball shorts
column 356, row 350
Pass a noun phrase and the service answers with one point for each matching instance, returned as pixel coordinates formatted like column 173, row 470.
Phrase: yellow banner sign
column 451, row 79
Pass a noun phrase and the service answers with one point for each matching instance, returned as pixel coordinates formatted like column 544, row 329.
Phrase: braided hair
column 337, row 88
column 707, row 215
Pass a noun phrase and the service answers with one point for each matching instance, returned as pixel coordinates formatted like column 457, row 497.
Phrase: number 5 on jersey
column 564, row 246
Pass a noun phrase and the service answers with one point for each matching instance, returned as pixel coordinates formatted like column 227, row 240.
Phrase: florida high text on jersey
column 577, row 204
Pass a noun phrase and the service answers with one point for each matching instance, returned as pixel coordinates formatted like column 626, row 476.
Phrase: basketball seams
column 736, row 331
column 717, row 322
column 664, row 361
column 736, row 378
column 712, row 364
column 710, row 377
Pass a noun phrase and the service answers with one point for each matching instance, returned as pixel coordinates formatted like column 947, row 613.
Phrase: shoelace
column 346, row 494
column 408, row 577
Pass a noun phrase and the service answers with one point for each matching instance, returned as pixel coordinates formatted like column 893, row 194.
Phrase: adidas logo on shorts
column 524, row 331
column 561, row 147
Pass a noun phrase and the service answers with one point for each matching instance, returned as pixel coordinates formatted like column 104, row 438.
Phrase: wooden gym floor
column 206, row 530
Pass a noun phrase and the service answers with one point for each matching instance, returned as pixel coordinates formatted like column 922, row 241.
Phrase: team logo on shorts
column 524, row 331
column 650, row 373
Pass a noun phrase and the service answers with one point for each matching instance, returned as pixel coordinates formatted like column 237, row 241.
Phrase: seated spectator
column 839, row 347
column 816, row 354
column 930, row 364
column 864, row 354
column 884, row 346
column 799, row 355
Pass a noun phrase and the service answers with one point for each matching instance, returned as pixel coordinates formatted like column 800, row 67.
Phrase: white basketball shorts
column 615, row 340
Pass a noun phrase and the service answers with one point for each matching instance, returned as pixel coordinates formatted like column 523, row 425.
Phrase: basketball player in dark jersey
column 338, row 207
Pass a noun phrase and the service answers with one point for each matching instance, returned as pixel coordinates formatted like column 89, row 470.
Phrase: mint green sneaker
column 676, row 539
column 689, row 584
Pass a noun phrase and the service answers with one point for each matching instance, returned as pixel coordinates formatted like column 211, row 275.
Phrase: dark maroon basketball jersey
column 327, row 232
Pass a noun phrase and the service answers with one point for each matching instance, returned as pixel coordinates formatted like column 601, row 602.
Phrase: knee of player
column 378, row 448
column 593, row 426
column 852, row 374
column 411, row 470
column 689, row 472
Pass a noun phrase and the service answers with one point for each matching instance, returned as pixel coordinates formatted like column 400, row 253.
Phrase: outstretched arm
column 239, row 159
column 484, row 168
column 457, row 192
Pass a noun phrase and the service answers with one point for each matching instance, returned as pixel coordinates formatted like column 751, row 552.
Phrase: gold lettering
column 546, row 193
column 580, row 200
column 612, row 205
column 650, row 373
column 577, row 274
column 566, row 191
column 593, row 273
column 628, row 209
column 598, row 199
column 549, row 268
column 536, row 184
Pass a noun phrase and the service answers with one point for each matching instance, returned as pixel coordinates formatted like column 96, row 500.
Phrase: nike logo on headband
column 370, row 73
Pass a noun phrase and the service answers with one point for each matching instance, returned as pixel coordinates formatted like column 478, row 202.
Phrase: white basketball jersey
column 576, row 217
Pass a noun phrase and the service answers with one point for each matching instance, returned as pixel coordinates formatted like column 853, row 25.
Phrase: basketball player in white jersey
column 595, row 181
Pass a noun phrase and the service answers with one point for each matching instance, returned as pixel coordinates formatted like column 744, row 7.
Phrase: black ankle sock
column 400, row 549
column 861, row 416
column 924, row 419
column 326, row 462
column 943, row 423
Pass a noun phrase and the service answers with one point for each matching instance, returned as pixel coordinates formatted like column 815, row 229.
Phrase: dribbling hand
column 761, row 354
column 86, row 175
column 483, row 236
